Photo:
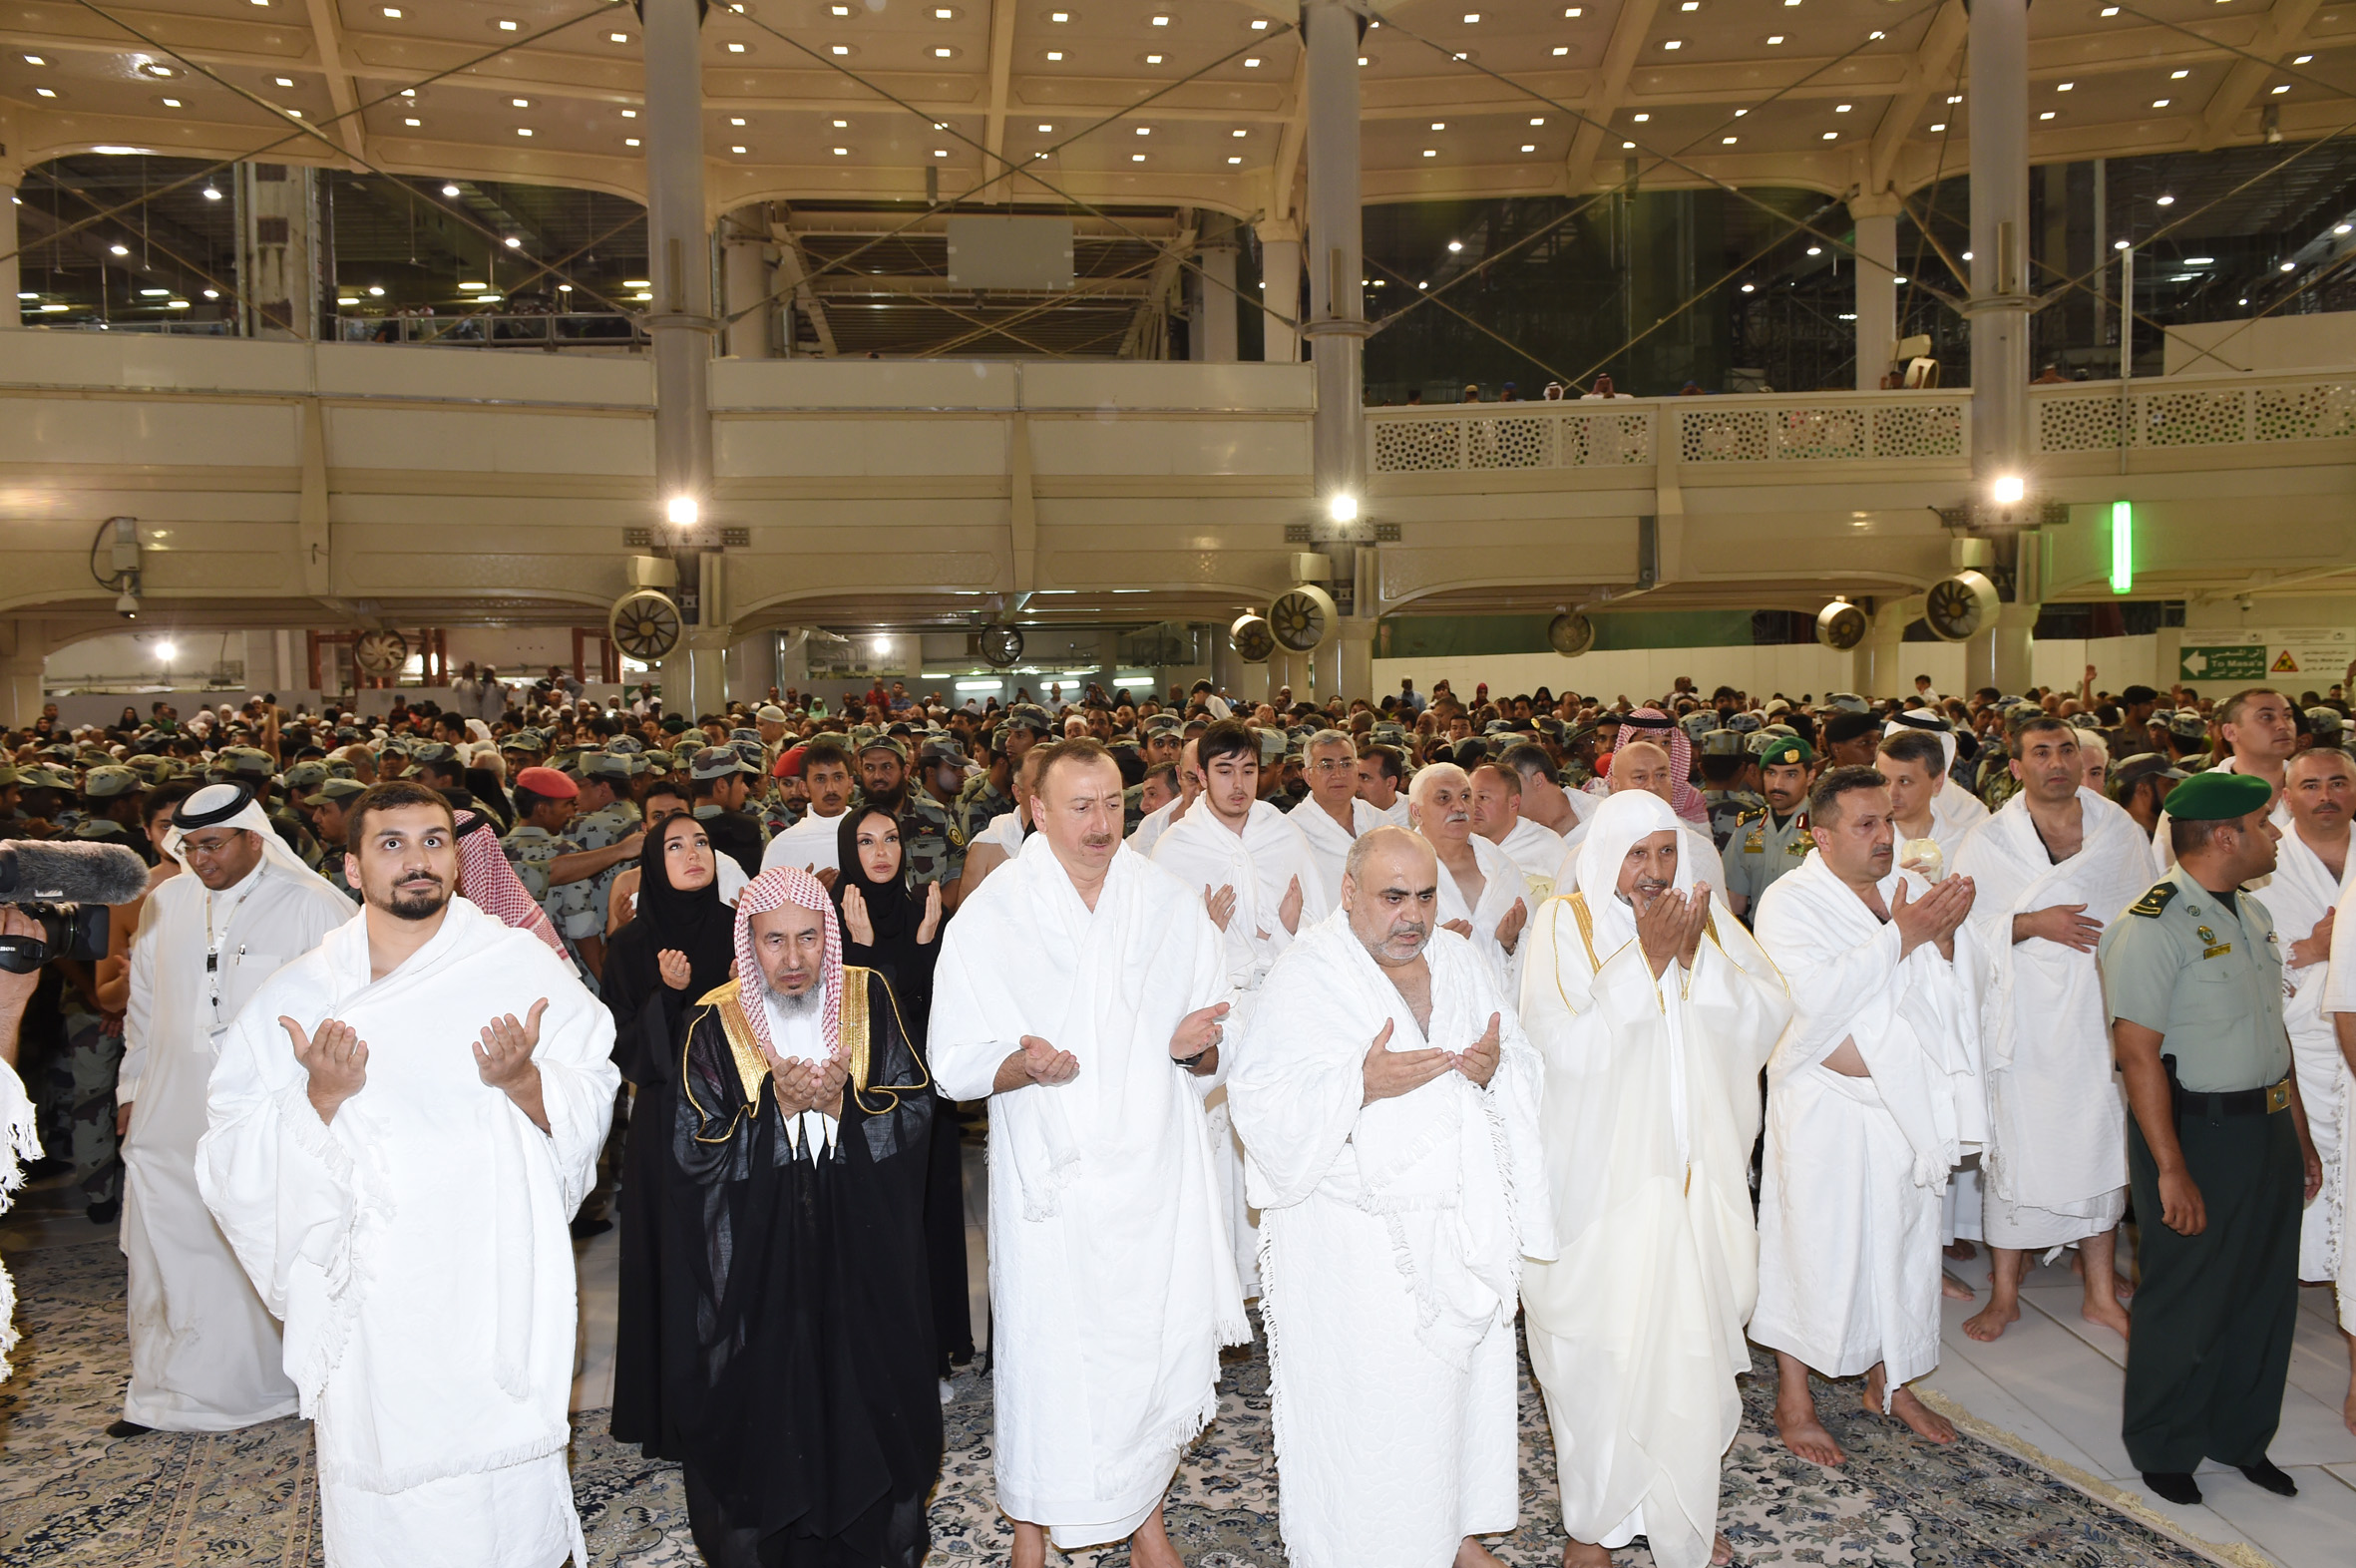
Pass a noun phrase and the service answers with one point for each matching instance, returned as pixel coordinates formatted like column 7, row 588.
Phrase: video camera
column 65, row 887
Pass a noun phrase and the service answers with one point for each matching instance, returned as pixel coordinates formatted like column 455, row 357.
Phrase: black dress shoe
column 2271, row 1476
column 128, row 1430
column 2174, row 1485
column 105, row 1213
column 583, row 1230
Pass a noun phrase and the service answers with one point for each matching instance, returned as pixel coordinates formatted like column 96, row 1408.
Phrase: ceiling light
column 842, row 151
column 1572, row 12
column 213, row 293
column 285, row 81
column 521, row 103
column 2008, row 490
column 1748, row 287
column 295, row 114
column 740, row 151
column 1161, row 21
column 1940, row 127
column 736, row 120
column 1456, row 245
column 2118, row 244
column 1641, row 119
column 2284, row 88
column 1967, row 256
column 2166, row 200
column 1815, row 251
column 1053, row 54
column 738, row 49
column 169, row 103
column 840, row 10
column 2064, row 87
column 2340, row 228
column 635, row 282
column 2198, row 261
column 1472, row 17
column 522, row 130
column 1832, row 135
column 393, row 12
column 943, row 53
column 1725, row 141
column 1775, row 38
column 2045, row 114
column 413, row 123
column 1136, row 158
column 633, row 114
column 1059, row 16
column 1561, row 49
column 944, row 14
column 341, row 299
column 35, row 60
column 1740, row 113
column 1955, row 98
column 154, row 69
column 211, row 194
column 119, row 251
column 1236, row 160
column 1431, row 152
column 514, row 243
column 1897, row 280
column 630, row 141
column 449, row 191
column 1153, row 59
column 45, row 92
column 1628, row 146
column 939, row 151
column 505, row 26
column 1529, row 147
column 2177, row 76
column 1538, row 120
column 620, row 38
column 2290, row 266
column 1260, row 24
column 153, row 293
column 1691, row 5
column 1673, row 43
column 2159, row 103
column 2109, row 10
column 1843, row 108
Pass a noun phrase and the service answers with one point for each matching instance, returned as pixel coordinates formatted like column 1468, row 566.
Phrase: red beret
column 789, row 762
column 547, row 782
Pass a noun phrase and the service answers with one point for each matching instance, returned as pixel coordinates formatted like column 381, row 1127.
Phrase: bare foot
column 1575, row 1554
column 1030, row 1546
column 1954, row 1289
column 1961, row 1251
column 1925, row 1422
column 1474, row 1555
column 1150, row 1546
column 1722, row 1553
column 1989, row 1321
column 1804, row 1436
column 2105, row 1310
column 2123, row 1289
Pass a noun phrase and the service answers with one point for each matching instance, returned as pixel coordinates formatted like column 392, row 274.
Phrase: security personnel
column 883, row 766
column 990, row 794
column 328, row 804
column 544, row 800
column 1773, row 839
column 1726, row 791
column 602, row 818
column 930, row 837
column 115, row 794
column 2218, row 1158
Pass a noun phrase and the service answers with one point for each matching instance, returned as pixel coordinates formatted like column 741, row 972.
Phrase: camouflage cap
column 942, row 749
column 1721, row 743
column 627, row 745
column 1161, row 724
column 1743, row 723
column 305, row 777
column 1696, row 724
column 245, row 762
column 1272, row 746
column 717, row 762
column 43, row 778
column 527, row 741
column 101, row 830
column 335, row 792
column 611, row 765
column 2187, row 724
column 1031, row 717
column 111, row 783
column 892, row 743
column 1844, row 702
column 435, row 752
column 2324, row 723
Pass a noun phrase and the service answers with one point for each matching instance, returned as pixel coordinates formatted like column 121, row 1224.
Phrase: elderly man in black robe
column 798, row 1332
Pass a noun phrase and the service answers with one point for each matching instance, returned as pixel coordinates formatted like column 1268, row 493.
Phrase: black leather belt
column 2215, row 1107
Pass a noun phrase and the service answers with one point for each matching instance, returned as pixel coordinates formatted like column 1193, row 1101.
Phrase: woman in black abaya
column 678, row 948
column 893, row 928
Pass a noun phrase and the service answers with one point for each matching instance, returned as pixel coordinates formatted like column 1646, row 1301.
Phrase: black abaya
column 649, row 1023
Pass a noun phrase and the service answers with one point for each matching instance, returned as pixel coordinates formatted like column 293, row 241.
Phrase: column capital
column 1880, row 203
column 1279, row 232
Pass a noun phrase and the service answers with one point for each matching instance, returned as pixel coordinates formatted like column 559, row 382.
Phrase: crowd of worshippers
column 1400, row 1017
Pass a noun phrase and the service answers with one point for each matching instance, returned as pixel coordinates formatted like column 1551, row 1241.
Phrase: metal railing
column 1932, row 426
column 553, row 332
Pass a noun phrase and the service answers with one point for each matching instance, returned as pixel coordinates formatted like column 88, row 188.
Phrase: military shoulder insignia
column 2153, row 902
column 1748, row 814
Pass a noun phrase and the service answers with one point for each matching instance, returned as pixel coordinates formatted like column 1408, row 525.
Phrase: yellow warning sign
column 2284, row 664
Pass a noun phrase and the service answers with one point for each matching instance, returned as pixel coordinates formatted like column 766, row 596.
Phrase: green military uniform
column 980, row 804
column 1762, row 848
column 578, row 908
column 529, row 849
column 2215, row 1313
column 1728, row 807
column 340, row 792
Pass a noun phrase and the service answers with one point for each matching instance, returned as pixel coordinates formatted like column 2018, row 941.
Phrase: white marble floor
column 2054, row 1380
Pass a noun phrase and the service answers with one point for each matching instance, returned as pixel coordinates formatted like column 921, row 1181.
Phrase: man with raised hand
column 1112, row 1280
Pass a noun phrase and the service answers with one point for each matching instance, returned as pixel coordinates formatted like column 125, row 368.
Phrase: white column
column 1280, row 294
column 11, row 315
column 1216, row 320
column 680, row 323
column 745, row 251
column 1336, row 324
column 24, row 654
column 1877, row 290
column 1999, row 303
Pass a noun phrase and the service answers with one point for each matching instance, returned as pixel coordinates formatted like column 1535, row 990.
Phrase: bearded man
column 404, row 1209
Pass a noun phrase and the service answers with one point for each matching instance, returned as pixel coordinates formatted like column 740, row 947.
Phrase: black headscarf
column 693, row 921
column 894, row 909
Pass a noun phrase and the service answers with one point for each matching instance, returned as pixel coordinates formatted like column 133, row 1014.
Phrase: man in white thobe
column 1653, row 1010
column 204, row 1350
column 2053, row 868
column 400, row 1128
column 2260, row 729
column 1379, row 779
column 1642, row 765
column 1482, row 894
column 1260, row 885
column 1333, row 817
column 1954, row 810
column 1388, row 1106
column 2314, row 875
column 1158, row 822
column 1112, row 1281
column 1543, row 799
column 1872, row 1098
column 1496, row 816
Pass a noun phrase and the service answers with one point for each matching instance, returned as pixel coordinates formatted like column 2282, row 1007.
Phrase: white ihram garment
column 1650, row 1113
column 1698, row 854
column 19, row 1141
column 205, row 1351
column 1391, row 1237
column 2055, row 1168
column 1111, row 1281
column 1260, row 864
column 1848, row 1202
column 2302, row 893
column 1538, row 851
column 1329, row 844
column 1502, row 883
column 417, row 1247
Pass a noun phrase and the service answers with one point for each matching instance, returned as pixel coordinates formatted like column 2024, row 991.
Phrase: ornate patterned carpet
column 71, row 1495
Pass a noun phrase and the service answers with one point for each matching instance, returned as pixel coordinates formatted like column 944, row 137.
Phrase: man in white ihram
column 1333, row 817
column 1641, row 765
column 1483, row 895
column 205, row 1351
column 1653, row 1009
column 2054, row 867
column 2314, row 874
column 1260, row 885
column 1388, row 1108
column 397, row 1174
column 1112, row 1282
column 1873, row 1097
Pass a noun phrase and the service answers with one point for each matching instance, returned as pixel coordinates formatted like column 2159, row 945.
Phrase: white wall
column 2266, row 344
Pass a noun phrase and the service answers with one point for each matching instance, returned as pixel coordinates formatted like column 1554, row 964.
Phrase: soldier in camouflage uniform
column 989, row 794
column 1725, row 780
column 252, row 768
column 46, row 795
column 82, row 1073
column 114, row 795
column 536, row 839
column 328, row 804
column 929, row 838
column 603, row 816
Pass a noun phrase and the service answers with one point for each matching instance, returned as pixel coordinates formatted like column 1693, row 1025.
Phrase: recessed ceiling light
column 1726, row 140
column 1153, row 59
column 2177, row 76
column 1774, row 39
column 738, row 49
column 630, row 141
column 1161, row 21
column 211, row 194
column 2290, row 266
column 1136, row 158
column 413, row 121
column 1053, row 54
column 845, row 124
column 2284, row 88
column 169, row 103
column 2045, row 114
column 1627, row 145
column 1561, row 49
column 522, row 130
column 521, row 103
column 618, row 38
column 1529, row 147
column 843, row 49
column 1843, row 108
column 1246, row 64
column 2064, row 87
column 1815, row 251
column 944, row 13
column 943, row 53
column 1641, row 119
column 1955, row 98
column 283, row 81
column 740, row 150
column 449, row 191
column 736, row 120
column 1236, row 160
column 840, row 10
column 295, row 114
column 1673, row 43
column 119, row 251
column 1538, row 120
column 1748, row 287
column 1832, row 135
column 1146, row 130
column 1691, row 5
column 409, row 92
column 1439, row 124
column 2166, row 200
column 2201, row 260
column 842, row 151
column 1472, row 17
column 2159, row 103
column 940, row 151
column 393, row 12
column 630, row 113
column 505, row 26
column 1232, row 133
column 1940, row 127
column 1058, row 16
column 35, row 60
column 1572, row 12
column 513, row 243
column 1456, row 245
column 1431, row 152
column 45, row 92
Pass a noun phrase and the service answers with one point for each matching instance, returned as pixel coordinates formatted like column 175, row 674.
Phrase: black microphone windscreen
column 39, row 871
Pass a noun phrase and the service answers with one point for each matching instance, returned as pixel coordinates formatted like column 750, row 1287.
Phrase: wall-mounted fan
column 646, row 624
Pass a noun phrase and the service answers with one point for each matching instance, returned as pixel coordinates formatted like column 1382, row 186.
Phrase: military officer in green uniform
column 1774, row 839
column 2218, row 1158
column 1726, row 778
column 328, row 804
column 930, row 837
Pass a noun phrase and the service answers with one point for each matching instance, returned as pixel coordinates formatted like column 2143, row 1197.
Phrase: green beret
column 2218, row 797
column 1784, row 750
